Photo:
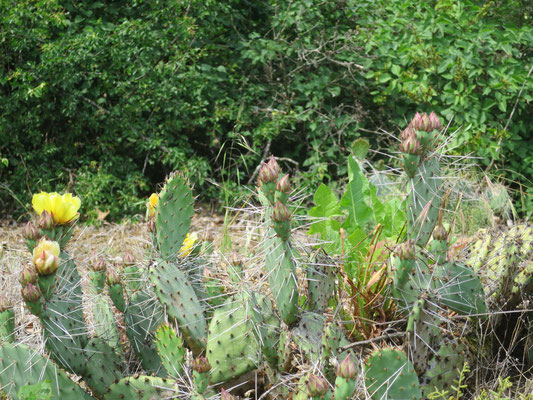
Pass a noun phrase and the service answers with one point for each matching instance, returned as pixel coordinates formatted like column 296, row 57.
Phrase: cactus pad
column 142, row 388
column 389, row 375
column 173, row 216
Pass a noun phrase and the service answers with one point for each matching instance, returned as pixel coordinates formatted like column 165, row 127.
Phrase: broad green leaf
column 327, row 207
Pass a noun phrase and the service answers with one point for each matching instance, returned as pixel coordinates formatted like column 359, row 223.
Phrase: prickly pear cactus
column 173, row 216
column 504, row 260
column 390, row 375
column 21, row 366
column 143, row 388
column 176, row 294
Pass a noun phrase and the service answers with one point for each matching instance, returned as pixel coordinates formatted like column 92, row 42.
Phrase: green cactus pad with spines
column 116, row 292
column 142, row 317
column 308, row 335
column 281, row 273
column 424, row 201
column 97, row 281
column 320, row 282
column 505, row 265
column 422, row 332
column 439, row 249
column 344, row 388
column 105, row 324
column 103, row 366
column 143, row 388
column 443, row 367
column 170, row 349
column 266, row 326
column 174, row 212
column 389, row 375
column 176, row 294
column 132, row 275
column 459, row 288
column 21, row 366
column 232, row 348
column 409, row 283
column 63, row 321
column 7, row 325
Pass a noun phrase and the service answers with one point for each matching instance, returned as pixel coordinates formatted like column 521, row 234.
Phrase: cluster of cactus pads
column 196, row 330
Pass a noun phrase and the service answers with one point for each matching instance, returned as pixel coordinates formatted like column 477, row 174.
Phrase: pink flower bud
column 224, row 395
column 425, row 123
column 439, row 233
column 97, row 264
column 317, row 385
column 272, row 163
column 416, row 122
column 46, row 221
column 201, row 364
column 284, row 184
column 31, row 232
column 347, row 368
column 28, row 275
column 280, row 213
column 435, row 123
column 128, row 258
column 31, row 292
column 267, row 174
column 411, row 145
column 409, row 131
column 406, row 251
column 112, row 277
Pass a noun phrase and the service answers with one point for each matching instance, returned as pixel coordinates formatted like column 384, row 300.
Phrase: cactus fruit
column 116, row 291
column 390, row 375
column 173, row 216
column 200, row 374
column 170, row 349
column 318, row 388
column 21, row 366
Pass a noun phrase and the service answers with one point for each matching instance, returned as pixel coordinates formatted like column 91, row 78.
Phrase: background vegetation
column 104, row 98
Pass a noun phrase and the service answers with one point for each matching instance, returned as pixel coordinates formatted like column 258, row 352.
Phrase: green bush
column 104, row 95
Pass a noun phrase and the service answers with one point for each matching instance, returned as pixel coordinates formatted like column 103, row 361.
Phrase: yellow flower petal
column 48, row 246
column 41, row 202
column 188, row 244
column 152, row 204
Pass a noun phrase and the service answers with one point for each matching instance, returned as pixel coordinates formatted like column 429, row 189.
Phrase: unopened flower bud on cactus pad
column 347, row 368
column 225, row 395
column 201, row 364
column 406, row 251
column 31, row 293
column 46, row 222
column 128, row 258
column 97, row 264
column 46, row 257
column 272, row 163
column 281, row 213
column 112, row 277
column 31, row 232
column 411, row 145
column 435, row 123
column 267, row 174
column 409, row 131
column 28, row 275
column 439, row 233
column 317, row 386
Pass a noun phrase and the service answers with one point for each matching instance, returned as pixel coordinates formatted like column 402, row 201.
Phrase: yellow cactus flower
column 152, row 204
column 188, row 244
column 63, row 208
column 46, row 257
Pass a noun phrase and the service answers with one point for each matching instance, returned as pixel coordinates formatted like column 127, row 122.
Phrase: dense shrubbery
column 105, row 98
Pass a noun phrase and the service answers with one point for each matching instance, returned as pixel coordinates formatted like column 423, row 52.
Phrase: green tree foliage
column 106, row 97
